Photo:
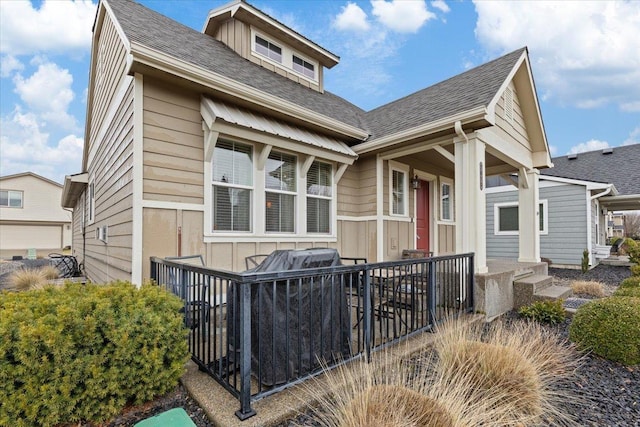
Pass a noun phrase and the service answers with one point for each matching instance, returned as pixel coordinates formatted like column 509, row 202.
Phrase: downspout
column 603, row 193
column 591, row 199
column 459, row 131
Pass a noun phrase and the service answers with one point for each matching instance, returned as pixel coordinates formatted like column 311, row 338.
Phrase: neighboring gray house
column 575, row 197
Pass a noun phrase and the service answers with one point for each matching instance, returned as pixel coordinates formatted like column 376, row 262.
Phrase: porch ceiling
column 432, row 160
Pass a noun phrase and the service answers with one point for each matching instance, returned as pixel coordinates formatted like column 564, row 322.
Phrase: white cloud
column 25, row 147
column 634, row 137
column 48, row 92
column 403, row 16
column 57, row 26
column 582, row 52
column 9, row 64
column 441, row 6
column 352, row 17
column 590, row 145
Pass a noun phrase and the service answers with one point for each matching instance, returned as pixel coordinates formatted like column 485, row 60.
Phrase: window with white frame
column 268, row 48
column 399, row 189
column 446, row 200
column 304, row 67
column 232, row 176
column 506, row 218
column 280, row 193
column 10, row 199
column 319, row 198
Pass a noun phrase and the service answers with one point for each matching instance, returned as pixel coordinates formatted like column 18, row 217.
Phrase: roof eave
column 74, row 185
column 475, row 115
column 142, row 56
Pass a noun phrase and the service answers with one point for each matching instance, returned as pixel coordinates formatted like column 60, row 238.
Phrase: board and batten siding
column 237, row 35
column 510, row 123
column 566, row 225
column 112, row 172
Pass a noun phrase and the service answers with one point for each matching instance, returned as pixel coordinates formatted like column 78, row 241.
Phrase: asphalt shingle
column 621, row 168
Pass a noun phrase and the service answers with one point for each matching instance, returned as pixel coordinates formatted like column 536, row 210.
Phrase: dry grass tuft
column 392, row 393
column 25, row 279
column 50, row 272
column 582, row 287
column 522, row 361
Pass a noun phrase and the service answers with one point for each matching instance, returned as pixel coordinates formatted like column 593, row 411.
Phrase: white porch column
column 528, row 216
column 470, row 202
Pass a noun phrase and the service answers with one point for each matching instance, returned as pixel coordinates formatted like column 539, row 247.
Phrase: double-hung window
column 319, row 197
column 446, row 200
column 280, row 193
column 267, row 48
column 398, row 192
column 232, row 176
column 10, row 199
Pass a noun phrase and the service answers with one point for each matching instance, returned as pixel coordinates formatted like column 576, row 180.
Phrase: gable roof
column 155, row 31
column 620, row 168
column 467, row 91
column 35, row 175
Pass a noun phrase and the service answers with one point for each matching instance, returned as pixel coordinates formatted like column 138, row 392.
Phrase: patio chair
column 196, row 307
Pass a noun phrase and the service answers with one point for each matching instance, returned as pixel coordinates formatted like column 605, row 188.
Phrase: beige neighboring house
column 226, row 143
column 31, row 216
column 615, row 224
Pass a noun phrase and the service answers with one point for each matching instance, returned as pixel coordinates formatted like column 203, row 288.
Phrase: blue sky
column 585, row 58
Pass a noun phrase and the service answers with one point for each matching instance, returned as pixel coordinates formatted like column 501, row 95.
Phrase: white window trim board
column 405, row 169
column 496, row 218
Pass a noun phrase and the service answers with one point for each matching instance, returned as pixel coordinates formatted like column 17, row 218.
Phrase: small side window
column 446, row 200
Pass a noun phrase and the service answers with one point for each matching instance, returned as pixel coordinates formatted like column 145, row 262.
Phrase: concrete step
column 524, row 288
column 553, row 293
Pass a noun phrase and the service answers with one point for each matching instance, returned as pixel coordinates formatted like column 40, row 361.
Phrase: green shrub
column 609, row 328
column 631, row 282
column 79, row 352
column 585, row 261
column 628, row 292
column 544, row 312
column 633, row 250
column 635, row 270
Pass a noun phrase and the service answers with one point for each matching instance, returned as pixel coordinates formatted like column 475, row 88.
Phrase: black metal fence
column 258, row 333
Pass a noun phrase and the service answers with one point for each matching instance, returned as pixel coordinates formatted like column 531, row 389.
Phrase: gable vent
column 508, row 105
column 572, row 156
column 607, row 150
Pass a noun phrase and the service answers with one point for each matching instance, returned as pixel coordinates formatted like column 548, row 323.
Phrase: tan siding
column 173, row 145
column 515, row 129
column 357, row 189
column 112, row 173
column 446, row 239
column 398, row 236
column 111, row 65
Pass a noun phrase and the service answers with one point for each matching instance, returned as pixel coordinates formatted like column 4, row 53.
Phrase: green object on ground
column 176, row 417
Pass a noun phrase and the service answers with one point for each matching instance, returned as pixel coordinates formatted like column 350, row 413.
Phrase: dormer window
column 303, row 67
column 268, row 49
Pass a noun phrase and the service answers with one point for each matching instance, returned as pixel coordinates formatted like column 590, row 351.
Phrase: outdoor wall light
column 415, row 183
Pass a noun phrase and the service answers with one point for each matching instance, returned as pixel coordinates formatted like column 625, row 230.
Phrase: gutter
column 603, row 193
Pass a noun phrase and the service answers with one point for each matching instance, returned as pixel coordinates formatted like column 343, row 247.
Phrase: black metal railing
column 258, row 333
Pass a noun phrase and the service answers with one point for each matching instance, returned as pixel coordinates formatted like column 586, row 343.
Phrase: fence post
column 471, row 285
column 366, row 306
column 154, row 271
column 245, row 410
column 431, row 296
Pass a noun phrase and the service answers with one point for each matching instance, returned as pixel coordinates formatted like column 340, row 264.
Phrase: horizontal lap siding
column 566, row 222
column 567, row 238
column 173, row 145
column 515, row 129
column 112, row 172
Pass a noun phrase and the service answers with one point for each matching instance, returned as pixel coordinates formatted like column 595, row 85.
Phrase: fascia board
column 163, row 62
column 422, row 130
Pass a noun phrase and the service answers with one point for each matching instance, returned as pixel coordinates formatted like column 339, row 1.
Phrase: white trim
column 496, row 218
column 144, row 55
column 589, row 229
column 446, row 154
column 356, row 218
column 159, row 204
column 433, row 195
column 379, row 209
column 285, row 238
column 443, row 180
column 404, row 169
column 138, row 176
column 91, row 189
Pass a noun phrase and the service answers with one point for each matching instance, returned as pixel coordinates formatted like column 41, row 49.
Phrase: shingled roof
column 620, row 167
column 471, row 89
column 142, row 25
column 464, row 92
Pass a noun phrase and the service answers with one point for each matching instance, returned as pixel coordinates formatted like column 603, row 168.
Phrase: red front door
column 422, row 216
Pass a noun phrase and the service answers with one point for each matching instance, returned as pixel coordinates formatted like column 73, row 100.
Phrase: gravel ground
column 609, row 393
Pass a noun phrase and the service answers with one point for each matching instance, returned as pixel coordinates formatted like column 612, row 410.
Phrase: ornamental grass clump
column 27, row 278
column 610, row 328
column 522, row 361
column 77, row 353
column 392, row 393
column 588, row 288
